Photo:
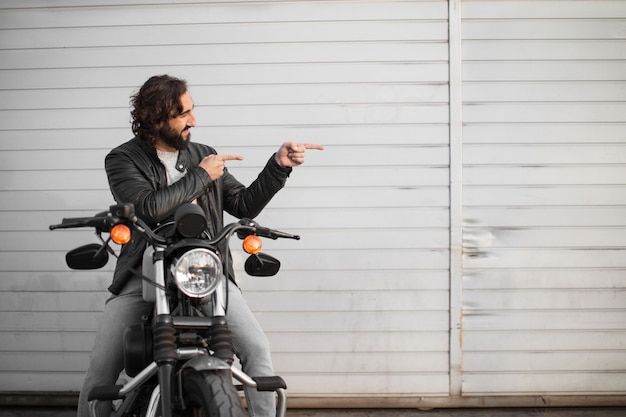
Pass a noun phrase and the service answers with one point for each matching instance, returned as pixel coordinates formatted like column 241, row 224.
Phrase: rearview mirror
column 262, row 265
column 92, row 256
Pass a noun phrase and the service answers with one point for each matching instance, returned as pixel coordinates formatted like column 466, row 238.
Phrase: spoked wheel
column 211, row 394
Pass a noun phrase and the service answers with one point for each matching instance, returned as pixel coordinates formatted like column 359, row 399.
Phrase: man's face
column 175, row 134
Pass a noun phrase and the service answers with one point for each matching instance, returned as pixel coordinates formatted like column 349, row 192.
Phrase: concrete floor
column 468, row 412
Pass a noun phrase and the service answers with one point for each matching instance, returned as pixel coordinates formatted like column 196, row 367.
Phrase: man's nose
column 192, row 119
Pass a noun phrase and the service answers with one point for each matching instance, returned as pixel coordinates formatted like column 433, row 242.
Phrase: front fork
column 275, row 384
column 164, row 335
column 166, row 353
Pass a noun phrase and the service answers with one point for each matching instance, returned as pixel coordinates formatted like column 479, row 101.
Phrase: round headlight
column 197, row 272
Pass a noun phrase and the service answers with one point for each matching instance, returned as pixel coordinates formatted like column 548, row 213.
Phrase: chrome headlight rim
column 180, row 272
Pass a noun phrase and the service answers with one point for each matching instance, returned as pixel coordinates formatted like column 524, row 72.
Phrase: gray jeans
column 107, row 358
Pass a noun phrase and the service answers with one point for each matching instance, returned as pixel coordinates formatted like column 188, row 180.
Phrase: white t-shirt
column 169, row 160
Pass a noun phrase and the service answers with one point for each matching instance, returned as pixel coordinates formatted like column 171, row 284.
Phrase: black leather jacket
column 137, row 176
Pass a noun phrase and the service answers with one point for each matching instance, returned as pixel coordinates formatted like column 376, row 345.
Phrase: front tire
column 211, row 394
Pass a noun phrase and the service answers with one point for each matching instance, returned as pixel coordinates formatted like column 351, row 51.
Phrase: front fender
column 198, row 364
column 205, row 363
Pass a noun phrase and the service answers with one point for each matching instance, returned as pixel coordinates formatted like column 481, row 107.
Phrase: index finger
column 313, row 146
column 230, row 157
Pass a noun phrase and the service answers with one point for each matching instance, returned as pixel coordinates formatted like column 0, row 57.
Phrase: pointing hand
column 214, row 164
column 291, row 154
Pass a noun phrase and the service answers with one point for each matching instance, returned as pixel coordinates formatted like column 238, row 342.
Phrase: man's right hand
column 214, row 164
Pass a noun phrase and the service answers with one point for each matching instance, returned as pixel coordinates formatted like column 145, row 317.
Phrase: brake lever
column 261, row 231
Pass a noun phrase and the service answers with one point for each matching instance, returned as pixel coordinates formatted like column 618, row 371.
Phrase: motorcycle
column 180, row 360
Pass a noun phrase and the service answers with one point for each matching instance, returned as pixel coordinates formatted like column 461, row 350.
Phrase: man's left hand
column 291, row 154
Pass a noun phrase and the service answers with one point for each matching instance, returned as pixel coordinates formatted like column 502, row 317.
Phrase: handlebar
column 124, row 213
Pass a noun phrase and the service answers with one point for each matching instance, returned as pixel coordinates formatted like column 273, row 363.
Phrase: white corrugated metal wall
column 361, row 305
column 360, row 311
column 544, row 146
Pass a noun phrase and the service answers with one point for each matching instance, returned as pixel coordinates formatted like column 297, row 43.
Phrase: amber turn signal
column 120, row 234
column 252, row 244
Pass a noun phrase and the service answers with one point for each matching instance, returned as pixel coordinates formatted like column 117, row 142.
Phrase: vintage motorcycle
column 180, row 360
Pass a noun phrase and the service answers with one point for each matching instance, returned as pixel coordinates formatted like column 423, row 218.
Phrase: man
column 158, row 170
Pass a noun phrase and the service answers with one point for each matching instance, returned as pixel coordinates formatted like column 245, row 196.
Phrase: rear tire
column 211, row 394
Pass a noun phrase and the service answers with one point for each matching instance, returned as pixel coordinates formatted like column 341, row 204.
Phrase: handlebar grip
column 99, row 222
column 274, row 234
column 69, row 224
column 279, row 234
column 255, row 228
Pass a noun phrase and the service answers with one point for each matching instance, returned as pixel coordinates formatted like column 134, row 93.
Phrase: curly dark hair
column 157, row 101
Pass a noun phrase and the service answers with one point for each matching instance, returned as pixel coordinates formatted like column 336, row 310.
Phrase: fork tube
column 162, row 304
column 165, row 356
column 165, row 383
column 220, row 297
column 164, row 339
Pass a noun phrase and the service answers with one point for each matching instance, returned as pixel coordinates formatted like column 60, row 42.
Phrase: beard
column 175, row 139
